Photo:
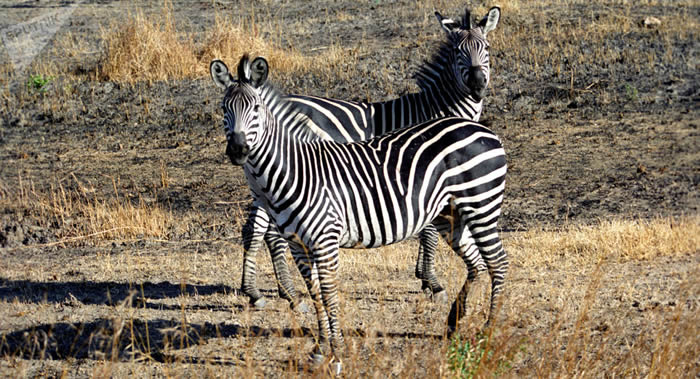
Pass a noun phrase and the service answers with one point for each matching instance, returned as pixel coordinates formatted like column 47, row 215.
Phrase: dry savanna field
column 120, row 215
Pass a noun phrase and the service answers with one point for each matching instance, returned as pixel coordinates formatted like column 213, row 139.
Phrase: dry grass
column 572, row 319
column 616, row 240
column 535, row 37
column 148, row 48
column 77, row 214
column 565, row 310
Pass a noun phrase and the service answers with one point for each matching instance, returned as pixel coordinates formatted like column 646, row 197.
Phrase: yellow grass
column 152, row 48
column 583, row 339
column 617, row 240
column 80, row 215
column 147, row 48
column 577, row 244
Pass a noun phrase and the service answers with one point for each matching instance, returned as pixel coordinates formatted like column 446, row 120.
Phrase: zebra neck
column 274, row 157
column 439, row 97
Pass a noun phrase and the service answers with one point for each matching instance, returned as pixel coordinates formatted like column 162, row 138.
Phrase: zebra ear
column 258, row 71
column 448, row 24
column 219, row 74
column 489, row 22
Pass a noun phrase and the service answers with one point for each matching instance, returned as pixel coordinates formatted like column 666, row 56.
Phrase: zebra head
column 244, row 111
column 470, row 50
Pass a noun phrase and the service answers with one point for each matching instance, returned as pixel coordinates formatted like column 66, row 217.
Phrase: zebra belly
column 379, row 231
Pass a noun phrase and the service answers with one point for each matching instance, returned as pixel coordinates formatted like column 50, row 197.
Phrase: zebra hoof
column 336, row 368
column 441, row 297
column 316, row 359
column 260, row 303
column 450, row 332
column 300, row 307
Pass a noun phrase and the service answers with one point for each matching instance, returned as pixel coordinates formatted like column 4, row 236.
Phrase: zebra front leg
column 309, row 271
column 326, row 259
column 278, row 247
column 426, row 261
column 322, row 282
column 253, row 232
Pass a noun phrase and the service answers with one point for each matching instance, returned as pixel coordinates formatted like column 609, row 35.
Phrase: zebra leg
column 322, row 281
column 497, row 263
column 428, row 245
column 464, row 245
column 278, row 247
column 425, row 286
column 326, row 259
column 309, row 271
column 253, row 232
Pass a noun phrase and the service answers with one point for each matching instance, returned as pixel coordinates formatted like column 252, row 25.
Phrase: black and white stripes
column 323, row 195
column 452, row 83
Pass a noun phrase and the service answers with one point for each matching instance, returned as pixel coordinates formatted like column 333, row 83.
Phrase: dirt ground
column 588, row 138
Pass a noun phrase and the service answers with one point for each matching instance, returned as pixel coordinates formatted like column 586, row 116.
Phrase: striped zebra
column 452, row 83
column 324, row 195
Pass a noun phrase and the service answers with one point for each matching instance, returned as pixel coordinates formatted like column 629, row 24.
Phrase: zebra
column 324, row 195
column 453, row 82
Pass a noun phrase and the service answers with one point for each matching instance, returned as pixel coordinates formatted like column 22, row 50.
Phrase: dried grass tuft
column 614, row 240
column 152, row 48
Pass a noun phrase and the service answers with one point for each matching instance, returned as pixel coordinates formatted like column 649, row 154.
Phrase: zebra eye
column 256, row 108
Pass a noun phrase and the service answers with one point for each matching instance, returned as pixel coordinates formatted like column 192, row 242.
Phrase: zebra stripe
column 324, row 195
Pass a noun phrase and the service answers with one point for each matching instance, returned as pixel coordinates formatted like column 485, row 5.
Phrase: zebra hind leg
column 426, row 262
column 492, row 255
column 497, row 263
column 464, row 245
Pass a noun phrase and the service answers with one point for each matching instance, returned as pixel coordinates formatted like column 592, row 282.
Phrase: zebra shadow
column 106, row 293
column 128, row 339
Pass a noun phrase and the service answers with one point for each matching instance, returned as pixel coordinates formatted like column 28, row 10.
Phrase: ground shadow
column 115, row 339
column 103, row 293
column 157, row 340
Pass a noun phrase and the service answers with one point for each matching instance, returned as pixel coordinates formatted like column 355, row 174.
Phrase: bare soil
column 589, row 140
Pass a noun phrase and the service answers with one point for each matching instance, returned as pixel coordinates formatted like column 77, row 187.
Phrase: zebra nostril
column 477, row 79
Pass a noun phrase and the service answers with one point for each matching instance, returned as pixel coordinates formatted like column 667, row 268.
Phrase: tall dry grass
column 588, row 335
column 77, row 214
column 614, row 240
column 572, row 272
column 153, row 48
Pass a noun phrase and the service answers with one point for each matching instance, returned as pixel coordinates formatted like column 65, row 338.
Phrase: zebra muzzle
column 476, row 82
column 237, row 153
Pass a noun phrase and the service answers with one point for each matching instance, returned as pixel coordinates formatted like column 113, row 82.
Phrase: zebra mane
column 434, row 70
column 286, row 113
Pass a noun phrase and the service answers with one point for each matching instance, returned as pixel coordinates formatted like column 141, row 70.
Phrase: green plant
column 465, row 357
column 631, row 92
column 38, row 82
column 476, row 356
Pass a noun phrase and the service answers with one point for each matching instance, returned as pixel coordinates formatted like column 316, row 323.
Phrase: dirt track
column 587, row 140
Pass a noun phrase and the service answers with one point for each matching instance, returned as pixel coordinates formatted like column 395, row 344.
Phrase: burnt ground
column 587, row 140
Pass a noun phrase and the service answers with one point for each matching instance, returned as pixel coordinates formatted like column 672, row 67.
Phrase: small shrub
column 631, row 92
column 38, row 82
column 465, row 357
